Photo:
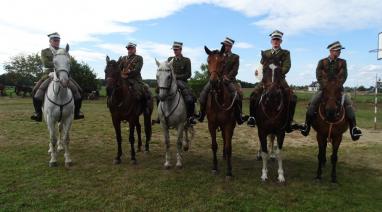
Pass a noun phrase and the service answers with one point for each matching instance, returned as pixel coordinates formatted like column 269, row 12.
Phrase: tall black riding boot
column 238, row 112
column 252, row 112
column 190, row 112
column 308, row 121
column 37, row 116
column 355, row 132
column 77, row 107
column 292, row 107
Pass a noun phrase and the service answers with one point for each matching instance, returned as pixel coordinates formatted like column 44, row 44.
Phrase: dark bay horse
column 272, row 113
column 220, row 111
column 330, row 123
column 124, row 106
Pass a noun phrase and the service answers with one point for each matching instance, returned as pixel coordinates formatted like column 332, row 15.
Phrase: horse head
column 214, row 60
column 271, row 78
column 165, row 79
column 112, row 75
column 61, row 61
column 332, row 98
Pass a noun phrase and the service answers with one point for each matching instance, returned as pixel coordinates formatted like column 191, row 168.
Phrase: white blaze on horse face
column 273, row 67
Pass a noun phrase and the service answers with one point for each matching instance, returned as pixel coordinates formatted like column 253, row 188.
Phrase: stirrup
column 356, row 133
column 305, row 129
column 251, row 121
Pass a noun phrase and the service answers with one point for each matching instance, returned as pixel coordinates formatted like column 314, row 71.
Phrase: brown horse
column 272, row 113
column 330, row 123
column 220, row 110
column 124, row 106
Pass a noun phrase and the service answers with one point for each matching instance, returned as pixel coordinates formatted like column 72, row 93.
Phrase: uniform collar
column 275, row 51
column 130, row 56
column 178, row 57
column 52, row 49
column 228, row 54
column 331, row 60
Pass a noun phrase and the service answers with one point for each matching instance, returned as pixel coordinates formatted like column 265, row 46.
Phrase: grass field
column 95, row 184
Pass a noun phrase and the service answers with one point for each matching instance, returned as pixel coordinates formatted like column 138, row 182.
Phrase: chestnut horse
column 220, row 110
column 330, row 123
column 124, row 106
column 272, row 114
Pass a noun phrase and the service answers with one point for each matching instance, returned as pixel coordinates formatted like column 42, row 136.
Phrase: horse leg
column 228, row 131
column 186, row 141
column 179, row 146
column 280, row 141
column 148, row 130
column 139, row 135
column 53, row 142
column 66, row 141
column 60, row 140
column 167, row 163
column 264, row 154
column 321, row 154
column 335, row 144
column 214, row 147
column 272, row 148
column 132, row 141
column 224, row 144
column 117, row 128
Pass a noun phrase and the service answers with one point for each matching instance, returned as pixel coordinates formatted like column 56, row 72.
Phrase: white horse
column 59, row 107
column 172, row 112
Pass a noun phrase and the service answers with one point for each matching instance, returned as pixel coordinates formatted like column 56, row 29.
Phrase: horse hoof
column 68, row 164
column 281, row 179
column 53, row 164
column 185, row 149
column 214, row 171
column 117, row 161
column 179, row 166
column 134, row 162
column 167, row 166
column 264, row 178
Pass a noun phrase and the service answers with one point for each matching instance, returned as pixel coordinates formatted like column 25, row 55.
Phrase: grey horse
column 172, row 112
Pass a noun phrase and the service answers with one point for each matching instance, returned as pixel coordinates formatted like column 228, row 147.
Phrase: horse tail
column 148, row 125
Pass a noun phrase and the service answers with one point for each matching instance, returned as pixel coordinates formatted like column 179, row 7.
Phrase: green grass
column 94, row 183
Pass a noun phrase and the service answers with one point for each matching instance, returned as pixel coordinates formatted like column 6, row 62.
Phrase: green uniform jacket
column 332, row 68
column 230, row 66
column 134, row 63
column 182, row 67
column 284, row 56
column 47, row 60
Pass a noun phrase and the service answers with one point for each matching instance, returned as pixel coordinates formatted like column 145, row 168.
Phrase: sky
column 95, row 29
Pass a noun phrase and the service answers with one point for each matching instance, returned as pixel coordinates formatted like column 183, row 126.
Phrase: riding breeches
column 42, row 85
column 186, row 91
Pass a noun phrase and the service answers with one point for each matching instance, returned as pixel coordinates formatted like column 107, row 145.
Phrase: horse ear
column 157, row 62
column 171, row 62
column 67, row 48
column 107, row 59
column 207, row 50
column 222, row 49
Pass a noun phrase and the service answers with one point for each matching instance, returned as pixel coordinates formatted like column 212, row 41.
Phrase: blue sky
column 95, row 30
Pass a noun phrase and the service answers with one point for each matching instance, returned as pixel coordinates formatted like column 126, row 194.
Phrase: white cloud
column 243, row 45
column 24, row 24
